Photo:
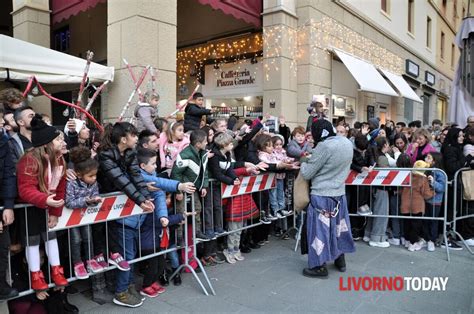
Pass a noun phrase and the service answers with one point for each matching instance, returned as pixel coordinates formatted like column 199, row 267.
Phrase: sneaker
column 452, row 245
column 422, row 242
column 207, row 261
column 285, row 236
column 271, row 217
column 126, row 299
column 101, row 260
column 265, row 220
column 267, row 240
column 261, row 243
column 280, row 215
column 93, row 266
column 394, row 241
column 382, row 244
column 366, row 239
column 159, row 289
column 149, row 292
column 286, row 212
column 238, row 256
column 414, row 247
column 469, row 242
column 134, row 292
column 403, row 241
column 117, row 260
column 364, row 210
column 80, row 271
column 229, row 257
column 202, row 237
column 430, row 246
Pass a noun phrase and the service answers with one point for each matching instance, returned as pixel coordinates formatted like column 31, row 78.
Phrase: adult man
column 23, row 117
column 341, row 130
column 14, row 141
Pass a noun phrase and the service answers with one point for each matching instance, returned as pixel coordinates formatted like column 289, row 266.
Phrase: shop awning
column 64, row 9
column 366, row 75
column 401, row 85
column 19, row 60
column 247, row 10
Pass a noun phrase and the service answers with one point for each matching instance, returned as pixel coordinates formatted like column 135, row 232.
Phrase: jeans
column 277, row 196
column 377, row 226
column 80, row 235
column 173, row 256
column 397, row 225
column 127, row 240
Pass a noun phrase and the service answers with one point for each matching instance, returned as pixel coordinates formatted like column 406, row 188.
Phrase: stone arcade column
column 144, row 33
column 279, row 57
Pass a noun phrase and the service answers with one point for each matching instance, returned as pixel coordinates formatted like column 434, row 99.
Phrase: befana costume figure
column 328, row 227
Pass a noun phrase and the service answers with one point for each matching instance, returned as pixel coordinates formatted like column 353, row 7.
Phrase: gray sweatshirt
column 329, row 166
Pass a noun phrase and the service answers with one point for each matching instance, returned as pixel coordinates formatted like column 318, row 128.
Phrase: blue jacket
column 147, row 241
column 439, row 186
column 166, row 185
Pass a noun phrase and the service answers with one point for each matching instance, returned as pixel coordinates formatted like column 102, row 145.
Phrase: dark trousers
column 430, row 227
column 213, row 208
column 4, row 247
column 413, row 228
column 98, row 238
column 154, row 267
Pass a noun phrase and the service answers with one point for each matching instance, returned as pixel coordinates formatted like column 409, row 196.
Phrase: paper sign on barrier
column 250, row 184
column 111, row 207
column 380, row 177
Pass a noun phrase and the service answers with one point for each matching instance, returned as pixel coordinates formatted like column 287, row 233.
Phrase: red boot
column 57, row 274
column 37, row 281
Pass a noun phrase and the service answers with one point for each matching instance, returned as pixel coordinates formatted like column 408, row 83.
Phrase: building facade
column 253, row 57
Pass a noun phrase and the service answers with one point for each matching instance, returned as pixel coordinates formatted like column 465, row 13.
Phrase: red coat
column 28, row 185
column 241, row 207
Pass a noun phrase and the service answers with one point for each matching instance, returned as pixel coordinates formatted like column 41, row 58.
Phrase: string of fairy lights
column 308, row 43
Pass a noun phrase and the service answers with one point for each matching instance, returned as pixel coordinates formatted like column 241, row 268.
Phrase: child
column 241, row 207
column 147, row 161
column 41, row 175
column 437, row 181
column 298, row 146
column 265, row 154
column 171, row 144
column 146, row 111
column 80, row 194
column 194, row 113
column 119, row 170
column 413, row 203
column 191, row 166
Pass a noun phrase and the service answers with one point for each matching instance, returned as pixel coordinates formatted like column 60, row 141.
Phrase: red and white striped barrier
column 380, row 177
column 250, row 184
column 111, row 207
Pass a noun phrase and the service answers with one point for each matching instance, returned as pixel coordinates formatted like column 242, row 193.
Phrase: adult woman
column 328, row 227
column 421, row 146
column 400, row 142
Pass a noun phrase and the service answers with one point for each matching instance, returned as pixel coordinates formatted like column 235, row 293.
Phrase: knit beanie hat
column 374, row 123
column 79, row 125
column 41, row 133
column 321, row 130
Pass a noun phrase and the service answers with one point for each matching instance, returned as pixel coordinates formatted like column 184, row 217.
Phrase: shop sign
column 232, row 79
column 412, row 68
column 429, row 78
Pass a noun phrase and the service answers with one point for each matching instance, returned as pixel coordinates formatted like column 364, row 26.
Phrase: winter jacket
column 77, row 192
column 16, row 148
column 414, row 155
column 242, row 149
column 191, row 166
column 169, row 151
column 454, row 159
column 413, row 198
column 241, row 207
column 439, row 186
column 145, row 114
column 296, row 150
column 359, row 160
column 121, row 173
column 281, row 156
column 7, row 176
column 284, row 131
column 193, row 116
column 159, row 197
column 149, row 238
column 221, row 167
column 28, row 185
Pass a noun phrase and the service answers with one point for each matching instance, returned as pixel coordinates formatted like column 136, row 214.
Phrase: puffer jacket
column 191, row 166
column 193, row 116
column 145, row 114
column 221, row 167
column 121, row 173
column 296, row 150
column 159, row 197
column 7, row 176
column 439, row 186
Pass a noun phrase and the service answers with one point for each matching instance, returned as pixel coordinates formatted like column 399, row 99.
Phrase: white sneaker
column 383, row 244
column 238, row 256
column 414, row 247
column 403, row 241
column 280, row 215
column 431, row 246
column 366, row 239
column 364, row 210
column 229, row 257
column 271, row 217
column 422, row 242
column 286, row 212
column 394, row 241
column 469, row 242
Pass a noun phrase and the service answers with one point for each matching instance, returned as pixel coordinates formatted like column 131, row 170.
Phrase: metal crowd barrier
column 463, row 209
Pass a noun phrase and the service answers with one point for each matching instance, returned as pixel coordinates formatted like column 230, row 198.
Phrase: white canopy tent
column 19, row 60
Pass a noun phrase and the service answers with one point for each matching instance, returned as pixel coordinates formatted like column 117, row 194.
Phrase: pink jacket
column 270, row 159
column 428, row 149
column 169, row 151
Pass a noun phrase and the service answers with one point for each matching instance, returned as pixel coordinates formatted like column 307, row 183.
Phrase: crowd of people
column 169, row 167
